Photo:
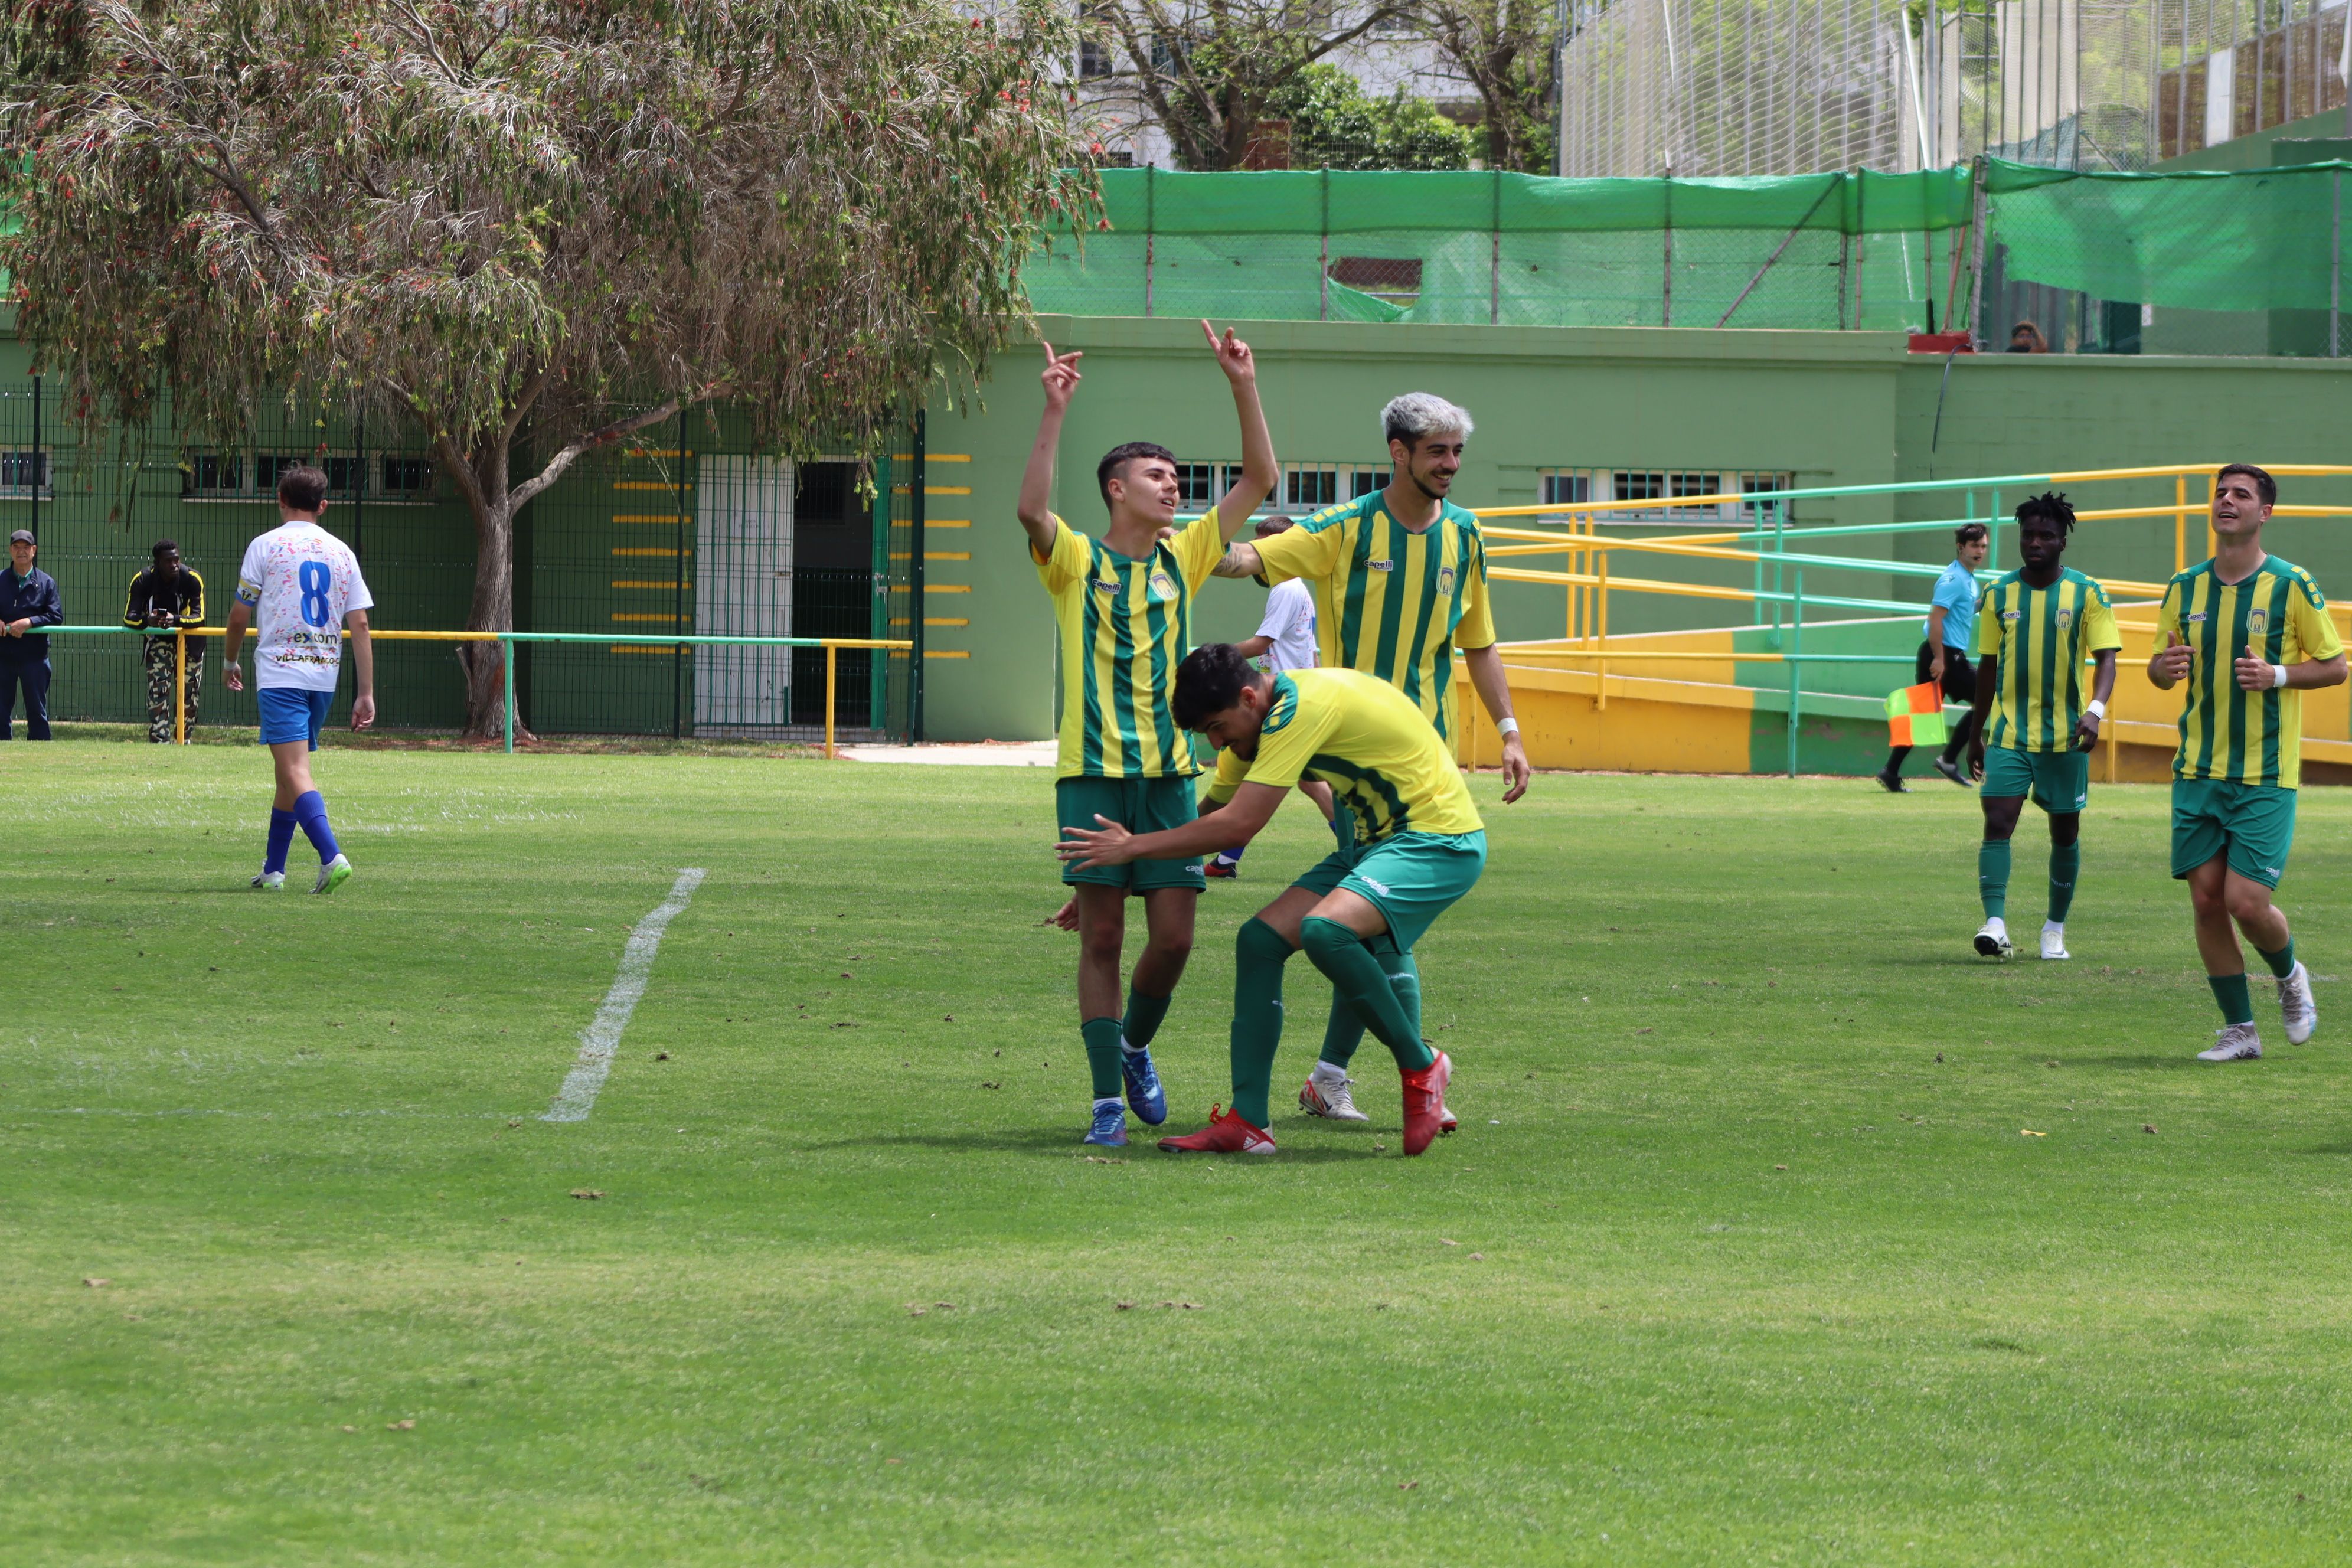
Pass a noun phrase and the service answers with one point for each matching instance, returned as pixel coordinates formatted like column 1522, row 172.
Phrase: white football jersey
column 300, row 580
column 1290, row 622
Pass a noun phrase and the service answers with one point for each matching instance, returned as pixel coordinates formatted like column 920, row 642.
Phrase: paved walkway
column 988, row 754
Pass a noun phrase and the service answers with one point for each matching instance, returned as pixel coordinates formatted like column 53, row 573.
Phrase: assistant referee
column 1944, row 657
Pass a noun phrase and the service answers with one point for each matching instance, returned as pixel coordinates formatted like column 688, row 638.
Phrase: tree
column 531, row 226
column 1209, row 71
column 1508, row 52
column 1333, row 125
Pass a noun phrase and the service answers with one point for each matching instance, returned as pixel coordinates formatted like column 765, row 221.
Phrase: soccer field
column 1740, row 1256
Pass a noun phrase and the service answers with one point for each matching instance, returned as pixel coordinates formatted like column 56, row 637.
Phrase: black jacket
column 34, row 597
column 181, row 591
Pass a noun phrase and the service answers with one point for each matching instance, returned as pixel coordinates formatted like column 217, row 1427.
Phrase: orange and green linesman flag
column 1914, row 716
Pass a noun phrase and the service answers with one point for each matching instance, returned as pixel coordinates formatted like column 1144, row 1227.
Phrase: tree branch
column 580, row 445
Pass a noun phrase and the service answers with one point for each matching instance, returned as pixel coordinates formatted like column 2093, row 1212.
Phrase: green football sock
column 1345, row 1032
column 1259, row 953
column 1992, row 876
column 1102, row 1055
column 2237, row 1004
column 2065, row 866
column 1143, row 1016
column 2282, row 963
column 1341, row 954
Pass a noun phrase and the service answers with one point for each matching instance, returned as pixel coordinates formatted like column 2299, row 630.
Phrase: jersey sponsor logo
column 1378, row 887
column 2195, row 616
column 2257, row 620
column 2010, row 615
column 1103, row 584
column 1444, row 581
column 1382, row 565
column 1163, row 586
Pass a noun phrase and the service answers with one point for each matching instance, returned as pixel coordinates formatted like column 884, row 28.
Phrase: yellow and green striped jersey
column 2226, row 732
column 1126, row 623
column 1387, row 769
column 2040, row 635
column 1389, row 602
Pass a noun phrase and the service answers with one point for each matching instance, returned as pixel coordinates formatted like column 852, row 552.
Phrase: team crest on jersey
column 2066, row 619
column 2257, row 620
column 1382, row 565
column 1163, row 587
column 1444, row 581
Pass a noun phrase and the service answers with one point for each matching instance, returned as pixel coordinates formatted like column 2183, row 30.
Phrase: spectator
column 1944, row 657
column 2025, row 338
column 170, row 597
column 29, row 601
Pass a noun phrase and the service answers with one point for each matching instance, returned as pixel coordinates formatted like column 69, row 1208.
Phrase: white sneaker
column 2295, row 1005
column 1327, row 1096
column 2053, row 940
column 1992, row 939
column 2238, row 1043
column 333, row 875
column 270, row 882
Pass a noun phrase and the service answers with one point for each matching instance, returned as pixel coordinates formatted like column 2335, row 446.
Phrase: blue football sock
column 281, row 838
column 311, row 812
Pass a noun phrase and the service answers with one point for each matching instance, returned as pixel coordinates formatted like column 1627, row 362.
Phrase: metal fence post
column 2335, row 263
column 179, row 688
column 915, row 481
column 506, row 659
column 677, row 597
column 829, row 652
column 1149, row 192
column 1795, row 656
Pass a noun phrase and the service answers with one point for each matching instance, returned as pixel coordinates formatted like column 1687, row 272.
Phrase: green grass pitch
column 1725, row 1266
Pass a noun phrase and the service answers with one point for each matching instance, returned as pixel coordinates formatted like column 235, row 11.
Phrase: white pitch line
column 602, row 1037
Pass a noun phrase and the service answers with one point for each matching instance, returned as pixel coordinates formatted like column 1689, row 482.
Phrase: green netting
column 2259, row 239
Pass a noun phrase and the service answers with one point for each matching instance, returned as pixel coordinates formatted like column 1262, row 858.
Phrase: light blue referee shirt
column 1957, row 591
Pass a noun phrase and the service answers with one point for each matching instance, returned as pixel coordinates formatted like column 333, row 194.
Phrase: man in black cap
column 170, row 597
column 29, row 601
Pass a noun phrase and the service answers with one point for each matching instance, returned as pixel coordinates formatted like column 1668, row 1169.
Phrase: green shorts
column 1412, row 878
column 2255, row 824
column 1139, row 806
column 2059, row 782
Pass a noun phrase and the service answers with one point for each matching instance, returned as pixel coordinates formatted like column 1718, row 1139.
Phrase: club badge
column 1444, row 581
column 2066, row 619
column 2258, row 621
column 1163, row 587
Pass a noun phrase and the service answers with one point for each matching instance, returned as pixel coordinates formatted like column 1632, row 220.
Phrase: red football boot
column 1425, row 1103
column 1226, row 1133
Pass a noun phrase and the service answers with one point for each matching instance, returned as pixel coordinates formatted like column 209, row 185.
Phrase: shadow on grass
column 2185, row 1062
column 1059, row 1140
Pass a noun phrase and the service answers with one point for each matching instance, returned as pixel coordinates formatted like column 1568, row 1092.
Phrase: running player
column 1285, row 640
column 1400, row 581
column 1415, row 845
column 2032, row 629
column 305, row 586
column 1124, row 604
column 2240, row 758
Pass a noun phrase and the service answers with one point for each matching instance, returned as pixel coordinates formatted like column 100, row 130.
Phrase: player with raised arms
column 1400, row 582
column 1414, row 844
column 1123, row 604
column 302, row 586
column 2250, row 634
column 2033, row 628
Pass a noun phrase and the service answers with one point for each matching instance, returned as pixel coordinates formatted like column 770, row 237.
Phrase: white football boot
column 1325, row 1094
column 2053, row 940
column 1992, row 939
column 270, row 882
column 2295, row 1005
column 2238, row 1043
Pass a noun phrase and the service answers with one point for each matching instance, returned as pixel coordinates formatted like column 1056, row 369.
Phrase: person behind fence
column 29, row 601
column 1944, row 657
column 169, row 598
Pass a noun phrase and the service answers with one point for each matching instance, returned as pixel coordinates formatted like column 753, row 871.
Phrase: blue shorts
column 290, row 713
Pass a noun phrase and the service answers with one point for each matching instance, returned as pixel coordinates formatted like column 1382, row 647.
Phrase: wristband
column 2278, row 675
column 1507, row 727
column 2097, row 710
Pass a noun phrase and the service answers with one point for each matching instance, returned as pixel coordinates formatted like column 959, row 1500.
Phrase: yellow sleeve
column 1306, row 551
column 1476, row 628
column 1988, row 622
column 1231, row 772
column 2099, row 633
column 195, row 614
column 1293, row 733
column 1066, row 565
column 2315, row 628
column 1199, row 548
column 2167, row 614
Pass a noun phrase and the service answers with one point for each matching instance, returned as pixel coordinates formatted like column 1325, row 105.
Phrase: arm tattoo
column 1240, row 561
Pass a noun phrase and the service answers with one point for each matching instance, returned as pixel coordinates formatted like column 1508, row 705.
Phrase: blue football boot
column 1110, row 1130
column 1143, row 1092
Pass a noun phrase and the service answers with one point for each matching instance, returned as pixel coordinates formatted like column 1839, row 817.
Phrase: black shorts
column 1959, row 672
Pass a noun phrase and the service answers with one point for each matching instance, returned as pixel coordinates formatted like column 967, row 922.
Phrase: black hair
column 1209, row 681
column 2051, row 508
column 1124, row 453
column 164, row 544
column 1969, row 533
column 301, row 489
column 2264, row 486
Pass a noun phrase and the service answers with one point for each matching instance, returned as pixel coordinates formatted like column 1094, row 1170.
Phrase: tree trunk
column 492, row 609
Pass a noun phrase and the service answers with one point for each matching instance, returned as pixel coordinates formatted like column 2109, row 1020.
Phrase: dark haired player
column 305, row 586
column 1414, row 844
column 2033, row 628
column 1124, row 605
column 2250, row 634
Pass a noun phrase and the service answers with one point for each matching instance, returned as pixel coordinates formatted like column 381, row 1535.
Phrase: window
column 405, row 478
column 24, row 473
column 1196, row 484
column 268, row 467
column 825, row 493
column 1580, row 487
column 219, row 474
column 1364, row 481
column 1310, row 486
column 1094, row 58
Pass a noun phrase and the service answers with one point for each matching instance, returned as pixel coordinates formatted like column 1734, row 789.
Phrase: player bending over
column 1400, row 582
column 1124, row 605
column 2241, row 756
column 1415, row 845
column 303, row 585
column 2033, row 628
column 1285, row 640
